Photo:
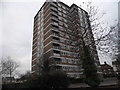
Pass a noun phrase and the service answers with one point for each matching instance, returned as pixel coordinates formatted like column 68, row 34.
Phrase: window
column 110, row 72
column 65, row 20
column 54, row 23
column 69, row 61
column 61, row 34
column 61, row 28
column 60, row 18
column 53, row 8
column 60, row 23
column 105, row 73
column 59, row 4
column 69, row 54
column 62, row 40
column 64, row 11
column 63, row 60
column 63, row 7
column 60, row 13
column 59, row 9
column 104, row 70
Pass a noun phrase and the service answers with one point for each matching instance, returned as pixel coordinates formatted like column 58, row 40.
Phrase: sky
column 16, row 25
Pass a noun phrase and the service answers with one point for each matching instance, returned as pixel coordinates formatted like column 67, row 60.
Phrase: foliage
column 47, row 80
column 32, row 82
column 10, row 85
column 46, row 66
column 76, row 80
column 90, row 69
column 59, row 79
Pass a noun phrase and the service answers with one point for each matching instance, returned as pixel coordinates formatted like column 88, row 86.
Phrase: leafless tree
column 9, row 66
column 101, row 31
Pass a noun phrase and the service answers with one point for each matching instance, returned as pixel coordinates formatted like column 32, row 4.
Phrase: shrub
column 76, row 80
column 59, row 80
column 47, row 80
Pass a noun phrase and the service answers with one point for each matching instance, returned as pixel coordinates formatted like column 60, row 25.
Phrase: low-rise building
column 107, row 70
column 116, row 66
column 8, row 80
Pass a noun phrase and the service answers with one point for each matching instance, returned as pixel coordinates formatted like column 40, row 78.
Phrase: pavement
column 109, row 81
column 105, row 82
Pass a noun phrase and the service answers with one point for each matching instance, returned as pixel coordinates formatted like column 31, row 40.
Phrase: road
column 106, row 82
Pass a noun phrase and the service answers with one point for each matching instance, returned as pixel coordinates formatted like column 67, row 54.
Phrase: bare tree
column 8, row 66
column 101, row 31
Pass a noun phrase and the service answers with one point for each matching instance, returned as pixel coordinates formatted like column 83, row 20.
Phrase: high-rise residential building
column 119, row 27
column 56, row 38
column 115, row 63
column 119, row 37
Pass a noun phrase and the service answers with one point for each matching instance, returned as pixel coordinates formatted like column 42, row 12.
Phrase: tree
column 87, row 47
column 25, row 76
column 105, row 36
column 8, row 66
column 90, row 71
column 101, row 31
column 46, row 67
column 59, row 79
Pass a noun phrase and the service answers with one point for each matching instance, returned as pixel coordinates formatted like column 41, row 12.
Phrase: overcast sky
column 17, row 27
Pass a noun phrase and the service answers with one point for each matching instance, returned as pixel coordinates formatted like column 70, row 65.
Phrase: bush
column 32, row 82
column 93, row 82
column 47, row 80
column 90, row 69
column 77, row 80
column 59, row 80
column 10, row 85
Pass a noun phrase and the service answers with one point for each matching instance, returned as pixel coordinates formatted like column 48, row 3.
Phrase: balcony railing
column 58, row 62
column 54, row 29
column 56, row 47
column 56, row 54
column 54, row 18
column 54, row 4
column 56, row 41
column 54, row 23
column 55, row 34
column 53, row 8
column 55, row 14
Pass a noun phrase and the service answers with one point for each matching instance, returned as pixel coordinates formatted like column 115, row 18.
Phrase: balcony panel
column 55, row 54
column 54, row 23
column 53, row 8
column 54, row 13
column 55, row 19
column 54, row 4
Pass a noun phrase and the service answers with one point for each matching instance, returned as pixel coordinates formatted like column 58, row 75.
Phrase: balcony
column 55, row 24
column 57, row 60
column 55, row 29
column 53, row 8
column 55, row 34
column 57, row 41
column 56, row 53
column 56, row 47
column 53, row 4
column 55, row 19
column 54, row 13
